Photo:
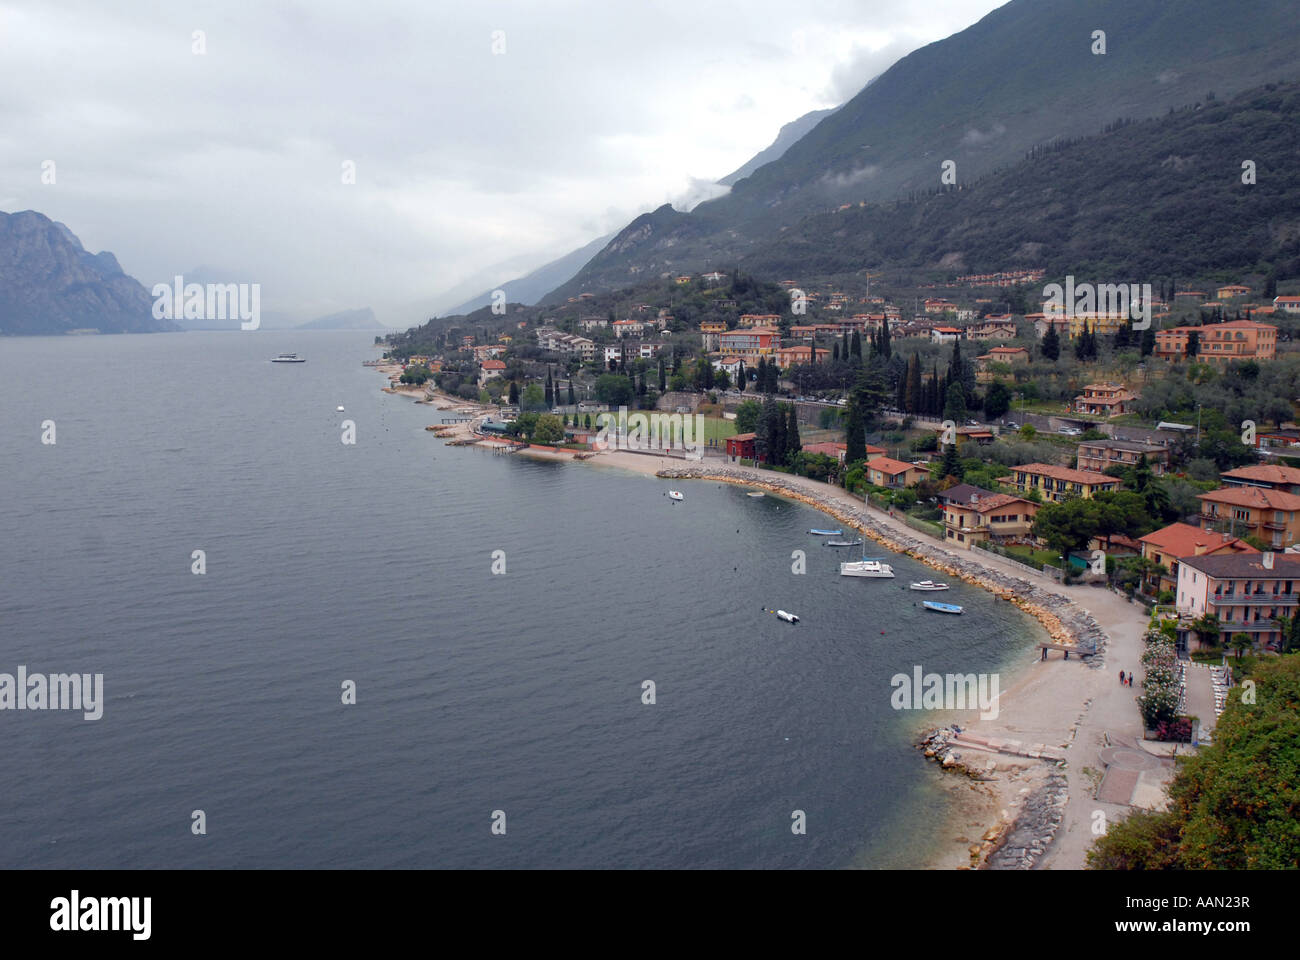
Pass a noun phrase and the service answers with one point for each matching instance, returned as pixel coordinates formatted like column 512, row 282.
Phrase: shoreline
column 1019, row 786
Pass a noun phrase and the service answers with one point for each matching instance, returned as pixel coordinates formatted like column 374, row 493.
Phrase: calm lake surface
column 476, row 692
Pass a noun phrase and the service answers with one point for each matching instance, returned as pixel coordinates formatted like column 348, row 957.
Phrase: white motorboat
column 288, row 358
column 867, row 568
column 928, row 585
column 787, row 617
column 754, row 494
column 676, row 495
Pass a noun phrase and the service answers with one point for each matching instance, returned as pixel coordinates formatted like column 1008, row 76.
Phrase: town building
column 1248, row 592
column 1268, row 476
column 1106, row 399
column 1271, row 515
column 945, row 334
column 1058, row 483
column 1287, row 304
column 887, row 472
column 490, row 370
column 1231, row 291
column 995, row 517
column 755, row 342
column 1170, row 544
column 1008, row 355
column 1097, row 455
column 709, row 331
column 1219, row 342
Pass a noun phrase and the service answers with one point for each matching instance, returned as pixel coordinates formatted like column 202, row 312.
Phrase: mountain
column 363, row 319
column 50, row 284
column 785, row 139
column 1024, row 75
column 1142, row 201
column 531, row 287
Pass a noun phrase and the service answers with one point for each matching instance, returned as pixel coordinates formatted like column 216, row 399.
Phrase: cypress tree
column 1051, row 345
column 1148, row 341
column 662, row 375
column 514, row 393
column 885, row 347
column 792, row 443
column 550, row 390
column 856, row 345
column 573, row 402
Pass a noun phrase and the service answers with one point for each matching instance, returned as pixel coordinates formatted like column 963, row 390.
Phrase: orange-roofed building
column 1219, row 342
column 1168, row 544
column 1267, row 475
column 1058, row 483
column 997, row 516
column 887, row 472
column 1271, row 515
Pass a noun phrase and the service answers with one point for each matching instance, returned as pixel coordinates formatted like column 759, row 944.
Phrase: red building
column 742, row 445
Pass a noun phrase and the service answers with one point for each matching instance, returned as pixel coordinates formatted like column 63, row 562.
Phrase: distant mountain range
column 532, row 287
column 1024, row 75
column 363, row 319
column 50, row 284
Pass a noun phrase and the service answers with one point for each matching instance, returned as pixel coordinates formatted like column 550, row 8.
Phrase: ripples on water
column 476, row 692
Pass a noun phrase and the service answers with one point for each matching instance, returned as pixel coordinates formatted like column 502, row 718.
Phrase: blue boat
column 941, row 607
column 827, row 533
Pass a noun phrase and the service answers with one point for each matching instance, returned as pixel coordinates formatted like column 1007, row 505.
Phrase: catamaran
column 867, row 568
column 928, row 585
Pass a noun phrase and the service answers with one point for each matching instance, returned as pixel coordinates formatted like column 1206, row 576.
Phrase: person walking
column 1121, row 678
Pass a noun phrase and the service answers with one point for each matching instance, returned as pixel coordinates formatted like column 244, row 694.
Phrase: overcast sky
column 472, row 166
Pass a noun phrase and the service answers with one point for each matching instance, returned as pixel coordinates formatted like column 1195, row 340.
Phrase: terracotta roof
column 890, row 465
column 1285, row 566
column 1185, row 540
column 1061, row 473
column 1257, row 497
column 494, row 365
column 996, row 502
column 743, row 436
column 1264, row 473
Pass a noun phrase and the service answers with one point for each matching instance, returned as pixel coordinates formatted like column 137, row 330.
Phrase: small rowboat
column 841, row 543
column 941, row 607
column 929, row 585
column 827, row 533
column 754, row 494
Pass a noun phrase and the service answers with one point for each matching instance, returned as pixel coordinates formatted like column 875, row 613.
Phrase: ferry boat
column 928, row 585
column 941, row 607
column 867, row 568
column 288, row 358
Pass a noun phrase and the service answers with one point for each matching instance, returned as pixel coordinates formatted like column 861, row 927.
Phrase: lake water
column 476, row 692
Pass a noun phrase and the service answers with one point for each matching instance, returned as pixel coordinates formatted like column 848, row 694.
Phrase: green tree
column 533, row 398
column 997, row 401
column 747, row 415
column 573, row 402
column 792, row 442
column 954, row 408
column 1051, row 345
column 615, row 389
column 514, row 393
column 1240, row 642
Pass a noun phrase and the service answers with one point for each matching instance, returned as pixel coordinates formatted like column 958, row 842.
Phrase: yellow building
column 1058, row 483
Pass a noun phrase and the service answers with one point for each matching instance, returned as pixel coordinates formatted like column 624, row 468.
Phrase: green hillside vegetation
column 1149, row 199
column 1025, row 74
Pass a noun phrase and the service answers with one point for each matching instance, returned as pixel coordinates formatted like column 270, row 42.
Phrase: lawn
column 1036, row 557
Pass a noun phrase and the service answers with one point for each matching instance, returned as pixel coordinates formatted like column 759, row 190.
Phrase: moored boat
column 867, row 568
column 787, row 617
column 288, row 358
column 941, row 607
column 928, row 585
column 676, row 495
column 755, row 494
column 841, row 543
column 827, row 533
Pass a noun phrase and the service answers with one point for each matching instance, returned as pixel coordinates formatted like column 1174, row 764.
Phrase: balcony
column 1257, row 599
